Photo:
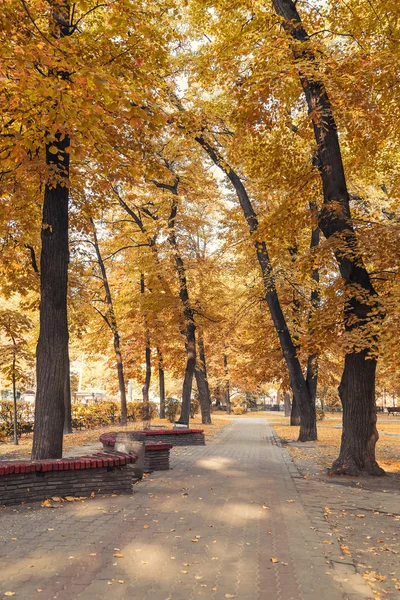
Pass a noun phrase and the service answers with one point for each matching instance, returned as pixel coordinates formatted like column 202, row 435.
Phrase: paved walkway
column 226, row 522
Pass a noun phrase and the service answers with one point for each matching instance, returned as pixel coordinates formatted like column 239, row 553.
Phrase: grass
column 326, row 449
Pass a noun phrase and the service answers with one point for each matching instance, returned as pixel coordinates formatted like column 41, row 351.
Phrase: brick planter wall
column 30, row 482
column 156, row 457
column 176, row 437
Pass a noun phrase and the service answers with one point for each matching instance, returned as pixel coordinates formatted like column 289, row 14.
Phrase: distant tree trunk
column 52, row 347
column 187, row 309
column 67, row 402
column 189, row 372
column 323, row 396
column 308, row 427
column 312, row 360
column 146, row 387
column 14, row 386
column 357, row 387
column 227, row 386
column 161, row 379
column 111, row 322
column 287, row 403
column 202, row 383
column 251, row 400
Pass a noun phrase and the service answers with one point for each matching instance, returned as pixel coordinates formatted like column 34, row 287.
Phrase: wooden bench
column 393, row 410
column 104, row 473
column 176, row 437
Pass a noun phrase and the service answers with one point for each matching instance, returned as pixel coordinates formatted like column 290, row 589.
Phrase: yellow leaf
column 118, row 555
column 9, row 593
column 274, row 560
column 53, row 149
column 146, row 526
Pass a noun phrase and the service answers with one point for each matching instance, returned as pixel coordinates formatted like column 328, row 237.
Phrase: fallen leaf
column 118, row 555
column 146, row 526
column 274, row 560
column 9, row 593
column 229, row 596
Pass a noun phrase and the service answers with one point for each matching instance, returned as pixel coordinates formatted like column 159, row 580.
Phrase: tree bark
column 111, row 321
column 161, row 379
column 295, row 413
column 308, row 427
column 202, row 383
column 67, row 402
column 52, row 347
column 362, row 309
column 227, row 385
column 359, row 435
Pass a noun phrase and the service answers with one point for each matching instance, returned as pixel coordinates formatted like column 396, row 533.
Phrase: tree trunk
column 227, row 386
column 52, row 347
column 161, row 379
column 146, row 387
column 67, row 402
column 187, row 310
column 361, row 310
column 111, row 322
column 359, row 436
column 308, row 427
column 312, row 360
column 202, row 383
column 189, row 372
column 15, row 414
column 287, row 403
column 121, row 378
column 294, row 413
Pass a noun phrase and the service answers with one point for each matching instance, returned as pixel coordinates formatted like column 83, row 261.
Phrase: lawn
column 326, row 449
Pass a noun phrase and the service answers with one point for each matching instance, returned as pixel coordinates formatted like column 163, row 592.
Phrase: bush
column 238, row 410
column 84, row 416
column 172, row 407
column 25, row 417
column 87, row 416
column 141, row 411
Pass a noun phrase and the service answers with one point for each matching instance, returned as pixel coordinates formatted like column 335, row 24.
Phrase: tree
column 357, row 386
column 16, row 359
column 111, row 321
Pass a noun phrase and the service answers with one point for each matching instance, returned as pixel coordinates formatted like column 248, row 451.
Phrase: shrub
column 238, row 410
column 88, row 416
column 25, row 417
column 141, row 411
column 172, row 407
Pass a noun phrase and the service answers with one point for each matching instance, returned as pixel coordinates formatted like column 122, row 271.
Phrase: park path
column 212, row 527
